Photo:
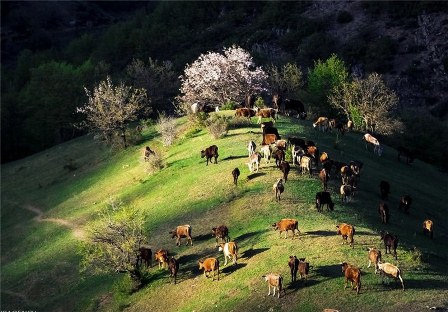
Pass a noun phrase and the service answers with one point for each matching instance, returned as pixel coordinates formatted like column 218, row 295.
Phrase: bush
column 259, row 102
column 344, row 17
column 166, row 126
column 154, row 162
column 217, row 126
column 229, row 105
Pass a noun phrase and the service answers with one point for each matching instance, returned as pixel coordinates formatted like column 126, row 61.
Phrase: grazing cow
column 251, row 147
column 147, row 153
column 374, row 257
column 324, row 176
column 377, row 148
column 210, row 152
column 279, row 156
column 350, row 125
column 285, row 225
column 346, row 231
column 254, row 162
column 266, row 151
column 297, row 153
column 353, row 275
column 384, row 189
column 304, row 269
column 321, row 123
column 144, row 256
column 355, row 167
column 347, row 192
column 390, row 270
column 221, row 233
column 337, row 165
column 230, row 251
column 403, row 151
column 281, row 144
column 161, row 256
column 266, row 124
column 266, row 113
column 276, row 282
column 235, row 175
column 209, row 265
column 244, row 112
column 331, row 124
column 269, row 139
column 428, row 227
column 291, row 106
column 323, row 157
column 346, row 174
column 173, row 266
column 313, row 152
column 390, row 241
column 278, row 188
column 277, row 101
column 324, row 198
column 405, row 203
column 285, row 167
column 293, row 264
column 182, row 231
column 383, row 211
column 305, row 165
column 271, row 130
column 297, row 142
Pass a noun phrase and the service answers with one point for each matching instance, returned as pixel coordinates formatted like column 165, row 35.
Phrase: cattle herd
column 308, row 159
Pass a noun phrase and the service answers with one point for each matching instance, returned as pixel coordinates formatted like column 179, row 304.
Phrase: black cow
column 324, row 198
column 291, row 105
column 210, row 152
column 144, row 257
column 390, row 241
column 285, row 167
column 235, row 175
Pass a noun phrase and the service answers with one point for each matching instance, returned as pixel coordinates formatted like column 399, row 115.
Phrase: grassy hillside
column 47, row 198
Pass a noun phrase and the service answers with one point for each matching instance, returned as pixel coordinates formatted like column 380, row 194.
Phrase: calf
column 235, row 175
column 383, row 211
column 251, row 147
column 377, row 148
column 297, row 153
column 293, row 264
column 209, row 265
column 182, row 231
column 346, row 231
column 347, row 192
column 324, row 198
column 173, row 266
column 285, row 168
column 254, row 162
column 428, row 227
column 321, row 123
column 405, row 203
column 269, row 138
column 304, row 269
column 279, row 156
column 266, row 113
column 324, row 176
column 384, row 189
column 210, row 152
column 144, row 256
column 276, row 282
column 390, row 270
column 161, row 256
column 230, row 251
column 402, row 151
column 244, row 112
column 305, row 165
column 353, row 275
column 285, row 225
column 221, row 233
column 390, row 241
column 278, row 188
column 374, row 257
column 266, row 151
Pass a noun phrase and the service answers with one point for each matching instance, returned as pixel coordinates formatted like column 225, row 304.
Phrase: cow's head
column 173, row 233
column 302, row 259
column 201, row 264
column 214, row 231
column 221, row 247
column 202, row 154
column 344, row 266
column 338, row 231
column 275, row 226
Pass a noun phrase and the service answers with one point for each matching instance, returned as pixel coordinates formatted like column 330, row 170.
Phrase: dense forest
column 53, row 51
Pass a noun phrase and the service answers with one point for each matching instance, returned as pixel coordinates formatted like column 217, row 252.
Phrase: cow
column 390, row 241
column 182, row 231
column 281, row 144
column 328, row 166
column 266, row 124
column 221, row 233
column 161, row 256
column 209, row 265
column 313, row 152
column 321, row 123
column 230, row 251
column 383, row 211
column 285, row 168
column 346, row 174
column 338, row 165
column 173, row 266
column 297, row 153
column 405, row 203
column 293, row 264
column 353, row 275
column 148, row 153
column 266, row 151
column 305, row 165
column 276, row 282
column 323, row 158
column 278, row 188
column 346, row 231
column 291, row 106
column 409, row 155
column 244, row 112
column 235, row 175
column 254, row 162
column 347, row 192
column 355, row 167
column 297, row 142
column 269, row 139
column 144, row 256
column 210, row 152
column 266, row 113
column 350, row 125
column 374, row 257
column 249, row 100
column 324, row 198
column 324, row 176
column 279, row 156
column 377, row 148
column 271, row 130
column 384, row 189
column 428, row 228
column 277, row 101
column 304, row 269
column 196, row 107
column 390, row 270
column 285, row 225
column 251, row 147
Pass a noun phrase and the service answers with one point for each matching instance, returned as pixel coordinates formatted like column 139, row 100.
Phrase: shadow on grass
column 321, row 233
column 329, row 271
column 249, row 235
column 234, row 157
column 298, row 284
column 230, row 268
column 203, row 237
column 255, row 175
column 252, row 252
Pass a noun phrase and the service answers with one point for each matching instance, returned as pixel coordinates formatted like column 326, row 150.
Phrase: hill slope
column 48, row 197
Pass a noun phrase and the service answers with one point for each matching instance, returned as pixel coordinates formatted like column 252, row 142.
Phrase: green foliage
column 259, row 102
column 217, row 126
column 229, row 105
column 286, row 80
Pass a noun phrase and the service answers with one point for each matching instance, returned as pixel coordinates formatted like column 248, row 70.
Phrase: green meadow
column 46, row 200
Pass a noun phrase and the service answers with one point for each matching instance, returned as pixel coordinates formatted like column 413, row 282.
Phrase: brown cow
column 221, row 232
column 374, row 256
column 377, row 148
column 284, row 225
column 352, row 274
column 428, row 227
column 230, row 251
column 278, row 188
column 390, row 241
column 285, row 168
column 293, row 264
column 266, row 113
column 276, row 281
column 321, row 123
column 324, row 157
column 346, row 231
column 182, row 231
column 279, row 156
column 173, row 266
column 244, row 112
column 304, row 269
column 144, row 256
column 210, row 152
column 383, row 211
column 161, row 256
column 269, row 139
column 390, row 270
column 209, row 265
column 324, row 176
column 235, row 175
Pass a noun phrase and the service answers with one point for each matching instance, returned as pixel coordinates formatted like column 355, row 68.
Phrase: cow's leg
column 269, row 287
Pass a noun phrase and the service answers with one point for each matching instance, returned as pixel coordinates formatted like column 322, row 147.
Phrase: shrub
column 166, row 126
column 229, row 105
column 259, row 102
column 344, row 17
column 154, row 162
column 217, row 126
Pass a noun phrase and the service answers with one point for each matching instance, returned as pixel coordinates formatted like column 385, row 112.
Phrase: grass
column 72, row 181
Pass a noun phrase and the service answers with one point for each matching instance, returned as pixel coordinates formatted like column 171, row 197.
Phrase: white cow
column 230, row 251
column 390, row 270
column 377, row 148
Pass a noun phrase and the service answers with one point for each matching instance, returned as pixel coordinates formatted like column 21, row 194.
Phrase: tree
column 113, row 242
column 110, row 108
column 369, row 101
column 286, row 80
column 218, row 78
